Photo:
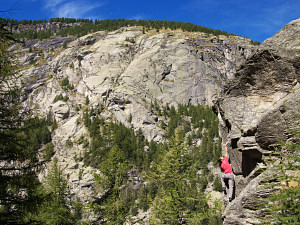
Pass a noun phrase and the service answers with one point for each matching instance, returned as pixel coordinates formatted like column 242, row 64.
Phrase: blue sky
column 256, row 19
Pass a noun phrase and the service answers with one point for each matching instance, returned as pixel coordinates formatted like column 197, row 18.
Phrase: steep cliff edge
column 256, row 110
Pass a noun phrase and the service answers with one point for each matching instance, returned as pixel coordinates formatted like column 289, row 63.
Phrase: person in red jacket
column 228, row 173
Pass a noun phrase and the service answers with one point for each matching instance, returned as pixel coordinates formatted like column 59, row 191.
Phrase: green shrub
column 58, row 98
column 69, row 143
column 65, row 82
column 66, row 85
column 54, row 125
column 130, row 118
column 49, row 151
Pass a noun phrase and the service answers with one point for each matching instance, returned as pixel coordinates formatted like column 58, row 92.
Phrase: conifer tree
column 177, row 199
column 55, row 209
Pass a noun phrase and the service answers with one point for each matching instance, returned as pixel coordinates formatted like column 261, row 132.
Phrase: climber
column 228, row 173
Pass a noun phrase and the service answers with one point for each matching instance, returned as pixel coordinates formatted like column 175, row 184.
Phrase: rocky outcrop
column 53, row 26
column 261, row 91
column 50, row 44
column 256, row 110
column 61, row 110
column 248, row 207
column 285, row 42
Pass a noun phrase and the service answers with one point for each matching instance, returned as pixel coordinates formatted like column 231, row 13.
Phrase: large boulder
column 254, row 104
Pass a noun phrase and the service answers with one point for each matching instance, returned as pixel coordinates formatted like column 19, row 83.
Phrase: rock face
column 54, row 26
column 255, row 110
column 124, row 71
column 285, row 42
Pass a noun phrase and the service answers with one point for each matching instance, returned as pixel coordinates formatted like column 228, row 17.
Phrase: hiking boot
column 230, row 199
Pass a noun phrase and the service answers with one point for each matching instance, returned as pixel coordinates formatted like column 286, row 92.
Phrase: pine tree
column 55, row 209
column 177, row 199
column 114, row 168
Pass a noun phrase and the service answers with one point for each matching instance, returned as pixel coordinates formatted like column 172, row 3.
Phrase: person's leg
column 223, row 182
column 231, row 186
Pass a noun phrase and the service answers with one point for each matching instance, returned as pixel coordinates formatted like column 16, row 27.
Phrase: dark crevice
column 250, row 158
column 228, row 125
column 234, row 142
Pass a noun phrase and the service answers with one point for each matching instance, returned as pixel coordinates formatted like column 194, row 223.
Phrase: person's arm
column 226, row 150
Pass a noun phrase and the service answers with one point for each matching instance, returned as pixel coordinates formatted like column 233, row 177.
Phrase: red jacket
column 225, row 166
